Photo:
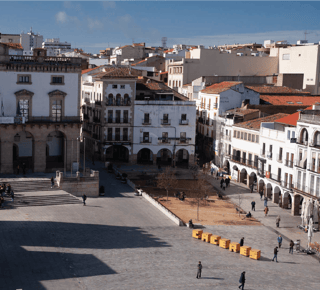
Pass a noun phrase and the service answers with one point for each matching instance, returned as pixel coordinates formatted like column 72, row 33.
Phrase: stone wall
column 88, row 185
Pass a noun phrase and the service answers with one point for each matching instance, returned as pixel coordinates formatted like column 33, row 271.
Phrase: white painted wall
column 40, row 87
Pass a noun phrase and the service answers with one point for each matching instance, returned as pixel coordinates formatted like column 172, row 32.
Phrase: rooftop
column 220, row 87
column 118, row 72
column 90, row 69
column 13, row 45
column 243, row 112
column 255, row 123
column 290, row 100
column 271, row 90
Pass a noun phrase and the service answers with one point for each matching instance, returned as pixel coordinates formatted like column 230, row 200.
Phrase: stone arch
column 118, row 100
column 55, row 158
column 276, row 197
column 145, row 156
column 316, row 138
column 110, row 100
column 303, row 136
column 252, row 178
column 182, row 158
column 261, row 186
column 23, row 148
column 226, row 166
column 286, row 200
column 116, row 153
column 164, row 157
column 126, row 99
column 243, row 176
column 235, row 172
column 296, row 204
column 269, row 190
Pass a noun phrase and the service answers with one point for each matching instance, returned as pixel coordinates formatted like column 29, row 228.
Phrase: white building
column 164, row 126
column 54, row 47
column 30, row 40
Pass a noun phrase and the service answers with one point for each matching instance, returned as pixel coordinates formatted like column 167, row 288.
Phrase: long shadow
column 213, row 278
column 34, row 251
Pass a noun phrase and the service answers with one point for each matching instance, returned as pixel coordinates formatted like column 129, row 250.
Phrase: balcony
column 113, row 102
column 87, row 100
column 238, row 159
column 116, row 137
column 261, row 172
column 183, row 140
column 118, row 120
column 252, row 164
column 165, row 122
column 42, row 119
column 146, row 121
column 183, row 122
column 275, row 177
column 288, row 163
column 165, row 140
column 279, row 158
column 286, row 184
column 145, row 139
column 96, row 119
column 300, row 163
column 215, row 105
column 98, row 103
column 312, row 167
column 302, row 142
column 262, row 152
column 269, row 155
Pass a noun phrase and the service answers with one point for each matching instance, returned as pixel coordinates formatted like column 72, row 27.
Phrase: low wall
column 155, row 203
column 88, row 185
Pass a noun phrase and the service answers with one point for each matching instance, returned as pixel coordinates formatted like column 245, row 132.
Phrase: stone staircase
column 36, row 192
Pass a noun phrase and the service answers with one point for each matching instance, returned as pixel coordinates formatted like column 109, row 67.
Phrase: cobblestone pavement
column 122, row 242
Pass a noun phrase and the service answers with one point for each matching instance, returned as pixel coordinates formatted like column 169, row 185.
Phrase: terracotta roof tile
column 164, row 73
column 243, row 112
column 255, row 123
column 90, row 69
column 220, row 87
column 290, row 100
column 291, row 119
column 13, row 45
column 118, row 72
column 269, row 90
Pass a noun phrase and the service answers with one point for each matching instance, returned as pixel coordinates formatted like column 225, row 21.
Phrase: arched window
column 118, row 100
column 126, row 100
column 304, row 136
column 110, row 99
column 317, row 139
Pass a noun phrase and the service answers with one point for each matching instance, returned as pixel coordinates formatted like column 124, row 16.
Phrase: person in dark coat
column 241, row 242
column 52, row 182
column 275, row 252
column 291, row 247
column 84, row 197
column 242, row 280
column 253, row 205
column 251, row 187
column 228, row 181
column 12, row 195
column 199, row 270
column 221, row 182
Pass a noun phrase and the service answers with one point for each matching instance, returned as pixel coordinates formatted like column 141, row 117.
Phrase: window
column 118, row 100
column 234, row 134
column 117, row 135
column 125, row 116
column 109, row 134
column 288, row 134
column 286, row 56
column 269, row 168
column 110, row 116
column 125, row 134
column 114, row 86
column 245, row 136
column 242, row 135
column 122, row 86
column 164, row 137
column 110, row 99
column 118, row 113
column 263, row 148
column 146, row 118
column 253, row 138
column 257, row 138
column 170, row 82
column 249, row 137
column 24, row 79
column 57, row 80
column 146, row 137
column 184, row 117
column 23, row 108
column 165, row 119
column 238, row 134
column 56, row 110
column 183, row 137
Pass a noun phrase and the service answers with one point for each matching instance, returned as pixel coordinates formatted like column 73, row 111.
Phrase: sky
column 94, row 25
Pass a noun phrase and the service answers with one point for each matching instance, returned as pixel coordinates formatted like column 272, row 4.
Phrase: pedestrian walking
column 217, row 175
column 291, row 247
column 12, row 195
column 278, row 219
column 265, row 201
column 228, row 181
column 241, row 242
column 211, row 169
column 253, row 205
column 84, row 197
column 52, row 182
column 224, row 185
column 221, row 182
column 266, row 210
column 251, row 187
column 275, row 252
column 279, row 239
column 261, row 194
column 242, row 280
column 199, row 270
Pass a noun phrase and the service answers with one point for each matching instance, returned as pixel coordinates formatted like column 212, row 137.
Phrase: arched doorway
column 117, row 153
column 261, row 186
column 243, row 176
column 252, row 179
column 297, row 204
column 182, row 158
column 277, row 195
column 235, row 173
column 269, row 191
column 286, row 200
column 145, row 156
column 164, row 157
column 55, row 150
column 226, row 166
column 22, row 151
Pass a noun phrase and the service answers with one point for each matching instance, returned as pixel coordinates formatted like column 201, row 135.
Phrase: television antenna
column 305, row 34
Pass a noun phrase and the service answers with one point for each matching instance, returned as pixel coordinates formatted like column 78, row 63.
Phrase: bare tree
column 167, row 180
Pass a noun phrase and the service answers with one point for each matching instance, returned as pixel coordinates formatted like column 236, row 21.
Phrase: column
column 295, row 205
column 39, row 155
column 6, row 157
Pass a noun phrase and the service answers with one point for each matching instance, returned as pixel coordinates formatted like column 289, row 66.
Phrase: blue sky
column 93, row 25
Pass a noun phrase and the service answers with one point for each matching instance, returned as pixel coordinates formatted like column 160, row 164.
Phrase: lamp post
column 84, row 155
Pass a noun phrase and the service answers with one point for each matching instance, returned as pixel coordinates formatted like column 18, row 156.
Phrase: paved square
column 121, row 241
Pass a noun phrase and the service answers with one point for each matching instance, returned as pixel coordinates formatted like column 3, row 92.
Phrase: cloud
column 63, row 18
column 290, row 36
column 109, row 5
column 94, row 24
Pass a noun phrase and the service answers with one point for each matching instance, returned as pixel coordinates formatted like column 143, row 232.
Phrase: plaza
column 120, row 241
